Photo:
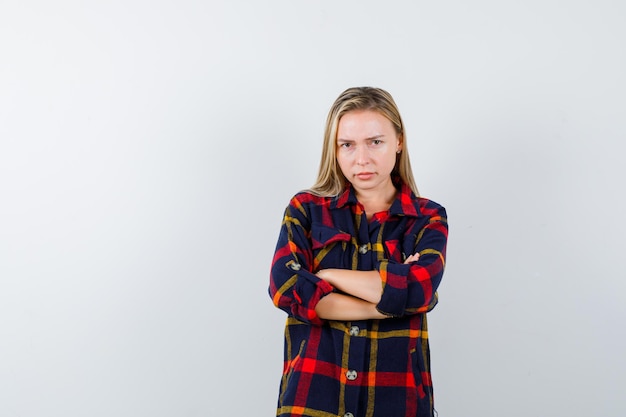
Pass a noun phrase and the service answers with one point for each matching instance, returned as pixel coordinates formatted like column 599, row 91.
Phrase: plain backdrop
column 149, row 148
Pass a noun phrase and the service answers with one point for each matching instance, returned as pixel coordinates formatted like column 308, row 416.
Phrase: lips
column 364, row 175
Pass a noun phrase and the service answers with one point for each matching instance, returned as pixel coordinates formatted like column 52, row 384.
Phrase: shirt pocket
column 289, row 384
column 332, row 248
column 419, row 372
column 394, row 251
column 400, row 249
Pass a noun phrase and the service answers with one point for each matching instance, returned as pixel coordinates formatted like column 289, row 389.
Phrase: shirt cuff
column 307, row 292
column 394, row 280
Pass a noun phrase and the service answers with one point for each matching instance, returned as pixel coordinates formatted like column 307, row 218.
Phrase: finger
column 412, row 258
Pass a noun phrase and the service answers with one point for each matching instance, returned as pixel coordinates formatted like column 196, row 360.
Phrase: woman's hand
column 412, row 258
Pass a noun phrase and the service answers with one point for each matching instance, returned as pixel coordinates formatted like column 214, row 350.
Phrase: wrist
column 326, row 275
column 323, row 274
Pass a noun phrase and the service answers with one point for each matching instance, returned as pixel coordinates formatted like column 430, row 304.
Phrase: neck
column 379, row 199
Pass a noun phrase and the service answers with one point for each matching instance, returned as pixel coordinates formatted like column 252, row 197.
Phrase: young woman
column 357, row 265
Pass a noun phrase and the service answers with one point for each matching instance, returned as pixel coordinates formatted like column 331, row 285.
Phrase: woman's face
column 367, row 144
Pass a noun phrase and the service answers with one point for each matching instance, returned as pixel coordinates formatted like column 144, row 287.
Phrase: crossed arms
column 361, row 292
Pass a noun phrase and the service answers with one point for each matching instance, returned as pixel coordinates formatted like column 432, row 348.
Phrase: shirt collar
column 347, row 197
column 403, row 205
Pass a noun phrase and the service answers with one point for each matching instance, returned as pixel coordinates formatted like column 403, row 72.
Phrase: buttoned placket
column 358, row 345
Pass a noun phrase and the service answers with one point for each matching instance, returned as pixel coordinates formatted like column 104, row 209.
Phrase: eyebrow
column 370, row 138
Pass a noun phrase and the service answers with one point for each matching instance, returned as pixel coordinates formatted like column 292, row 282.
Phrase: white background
column 148, row 149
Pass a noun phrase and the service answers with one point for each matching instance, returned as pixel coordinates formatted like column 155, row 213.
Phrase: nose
column 362, row 155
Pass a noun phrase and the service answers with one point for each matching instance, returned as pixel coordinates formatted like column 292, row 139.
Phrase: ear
column 400, row 141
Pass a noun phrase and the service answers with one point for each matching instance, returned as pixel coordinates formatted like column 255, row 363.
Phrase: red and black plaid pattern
column 369, row 368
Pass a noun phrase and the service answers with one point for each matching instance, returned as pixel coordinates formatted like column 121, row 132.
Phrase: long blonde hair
column 330, row 180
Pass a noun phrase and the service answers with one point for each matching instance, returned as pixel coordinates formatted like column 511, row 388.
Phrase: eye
column 345, row 145
column 376, row 142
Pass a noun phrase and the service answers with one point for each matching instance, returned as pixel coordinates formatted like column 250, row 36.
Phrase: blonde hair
column 330, row 180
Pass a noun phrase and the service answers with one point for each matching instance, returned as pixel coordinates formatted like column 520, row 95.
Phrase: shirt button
column 363, row 249
column 351, row 375
column 295, row 266
column 348, row 415
column 354, row 331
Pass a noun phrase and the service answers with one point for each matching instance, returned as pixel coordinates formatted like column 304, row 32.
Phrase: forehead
column 356, row 124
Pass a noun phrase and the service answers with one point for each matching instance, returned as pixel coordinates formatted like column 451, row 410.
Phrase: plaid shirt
column 369, row 368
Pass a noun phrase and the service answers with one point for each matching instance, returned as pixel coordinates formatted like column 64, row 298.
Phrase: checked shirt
column 368, row 368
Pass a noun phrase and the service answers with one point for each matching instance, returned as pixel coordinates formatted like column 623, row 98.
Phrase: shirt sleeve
column 412, row 288
column 293, row 287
